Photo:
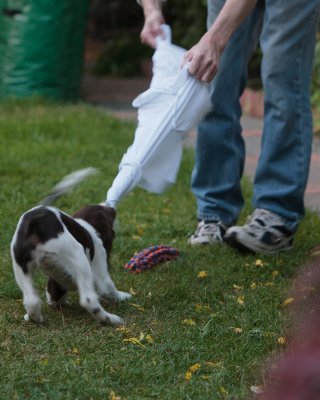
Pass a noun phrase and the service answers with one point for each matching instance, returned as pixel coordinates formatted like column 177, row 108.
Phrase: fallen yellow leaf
column 132, row 291
column 288, row 301
column 200, row 307
column 133, row 340
column 195, row 367
column 113, row 396
column 259, row 263
column 149, row 339
column 282, row 340
column 253, row 285
column 222, row 390
column 188, row 322
column 137, row 306
column 123, row 329
column 206, row 377
column 77, row 362
column 202, row 274
column 73, row 351
column 188, row 375
column 42, row 379
column 136, row 237
column 213, row 364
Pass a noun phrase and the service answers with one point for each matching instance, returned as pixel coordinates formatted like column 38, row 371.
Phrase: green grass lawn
column 188, row 336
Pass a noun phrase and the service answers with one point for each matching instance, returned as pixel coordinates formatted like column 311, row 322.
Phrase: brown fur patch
column 102, row 219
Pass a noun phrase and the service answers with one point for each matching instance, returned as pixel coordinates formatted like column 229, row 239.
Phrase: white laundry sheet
column 174, row 104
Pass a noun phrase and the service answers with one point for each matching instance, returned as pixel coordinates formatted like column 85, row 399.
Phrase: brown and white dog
column 72, row 251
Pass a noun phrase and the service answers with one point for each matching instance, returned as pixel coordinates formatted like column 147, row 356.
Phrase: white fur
column 64, row 260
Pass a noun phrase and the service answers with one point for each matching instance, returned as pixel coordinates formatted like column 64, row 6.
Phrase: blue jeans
column 287, row 32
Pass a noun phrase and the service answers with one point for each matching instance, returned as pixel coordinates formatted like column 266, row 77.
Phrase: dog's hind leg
column 89, row 300
column 88, row 297
column 103, row 282
column 31, row 299
column 56, row 294
column 108, row 290
column 112, row 293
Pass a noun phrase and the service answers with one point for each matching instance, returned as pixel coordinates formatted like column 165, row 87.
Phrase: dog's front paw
column 113, row 319
column 123, row 296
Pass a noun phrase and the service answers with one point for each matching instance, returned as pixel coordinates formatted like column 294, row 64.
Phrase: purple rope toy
column 150, row 257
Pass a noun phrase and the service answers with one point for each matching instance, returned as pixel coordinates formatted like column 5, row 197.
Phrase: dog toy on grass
column 150, row 257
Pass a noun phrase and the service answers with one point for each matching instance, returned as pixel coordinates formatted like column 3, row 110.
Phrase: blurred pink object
column 295, row 374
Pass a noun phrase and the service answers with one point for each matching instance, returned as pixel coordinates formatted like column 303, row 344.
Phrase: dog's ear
column 112, row 213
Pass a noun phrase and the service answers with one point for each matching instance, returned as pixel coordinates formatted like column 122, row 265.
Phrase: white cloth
column 174, row 103
column 140, row 2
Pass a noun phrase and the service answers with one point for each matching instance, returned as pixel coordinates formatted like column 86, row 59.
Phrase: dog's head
column 102, row 219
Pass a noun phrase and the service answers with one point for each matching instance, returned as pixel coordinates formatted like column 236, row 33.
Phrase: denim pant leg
column 220, row 151
column 287, row 42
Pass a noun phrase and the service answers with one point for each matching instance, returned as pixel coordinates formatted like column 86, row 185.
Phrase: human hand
column 204, row 58
column 152, row 28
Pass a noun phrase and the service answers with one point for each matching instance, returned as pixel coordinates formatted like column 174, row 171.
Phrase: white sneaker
column 264, row 232
column 208, row 233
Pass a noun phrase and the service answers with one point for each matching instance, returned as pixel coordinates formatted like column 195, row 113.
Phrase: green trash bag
column 41, row 48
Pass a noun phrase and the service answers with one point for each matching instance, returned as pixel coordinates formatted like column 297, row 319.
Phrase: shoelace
column 211, row 228
column 261, row 219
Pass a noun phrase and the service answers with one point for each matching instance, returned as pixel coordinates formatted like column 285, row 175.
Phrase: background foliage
column 188, row 20
column 123, row 50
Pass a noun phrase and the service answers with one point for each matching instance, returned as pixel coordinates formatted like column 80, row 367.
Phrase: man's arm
column 205, row 55
column 153, row 18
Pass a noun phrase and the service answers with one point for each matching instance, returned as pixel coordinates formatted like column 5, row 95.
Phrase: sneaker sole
column 234, row 242
column 204, row 243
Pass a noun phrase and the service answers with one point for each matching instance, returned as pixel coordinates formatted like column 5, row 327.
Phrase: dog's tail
column 67, row 183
